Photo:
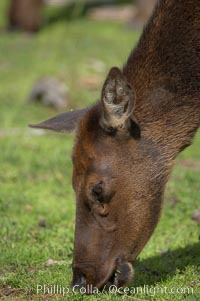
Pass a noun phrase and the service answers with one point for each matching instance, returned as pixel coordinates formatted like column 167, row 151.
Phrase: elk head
column 118, row 184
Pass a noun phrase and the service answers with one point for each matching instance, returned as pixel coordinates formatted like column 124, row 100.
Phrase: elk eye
column 97, row 191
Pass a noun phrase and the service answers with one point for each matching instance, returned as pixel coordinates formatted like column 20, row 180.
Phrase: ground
column 36, row 197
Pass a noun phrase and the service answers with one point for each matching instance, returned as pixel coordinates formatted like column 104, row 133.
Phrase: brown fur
column 25, row 15
column 126, row 144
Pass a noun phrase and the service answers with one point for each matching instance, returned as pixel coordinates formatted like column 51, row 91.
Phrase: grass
column 35, row 173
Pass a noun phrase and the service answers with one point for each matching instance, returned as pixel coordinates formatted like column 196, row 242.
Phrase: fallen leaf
column 51, row 261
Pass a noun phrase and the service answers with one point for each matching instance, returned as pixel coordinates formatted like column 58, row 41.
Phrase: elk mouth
column 113, row 280
column 120, row 275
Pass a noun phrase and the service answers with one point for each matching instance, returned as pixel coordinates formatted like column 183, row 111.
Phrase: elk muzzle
column 119, row 273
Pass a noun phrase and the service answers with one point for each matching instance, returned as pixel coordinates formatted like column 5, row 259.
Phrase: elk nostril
column 82, row 281
column 79, row 280
column 97, row 191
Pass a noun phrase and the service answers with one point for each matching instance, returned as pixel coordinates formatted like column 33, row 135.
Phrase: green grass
column 35, row 171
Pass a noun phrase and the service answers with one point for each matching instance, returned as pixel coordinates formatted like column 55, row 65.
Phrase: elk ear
column 63, row 122
column 117, row 102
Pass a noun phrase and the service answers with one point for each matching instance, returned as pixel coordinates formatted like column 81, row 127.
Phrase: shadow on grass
column 158, row 268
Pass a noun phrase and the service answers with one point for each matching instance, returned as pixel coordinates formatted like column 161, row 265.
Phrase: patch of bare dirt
column 123, row 13
column 196, row 216
column 90, row 82
column 7, row 291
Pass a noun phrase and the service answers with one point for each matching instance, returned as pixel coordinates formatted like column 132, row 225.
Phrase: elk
column 127, row 142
